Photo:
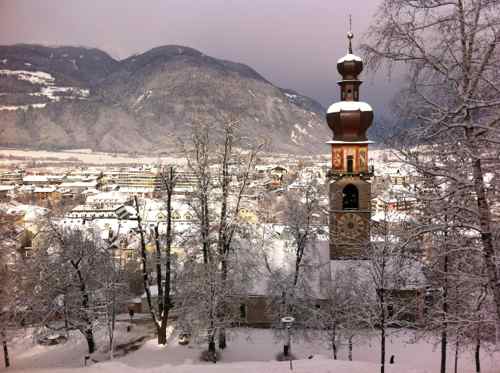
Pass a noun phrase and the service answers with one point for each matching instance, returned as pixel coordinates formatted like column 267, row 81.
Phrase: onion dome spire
column 349, row 119
column 350, row 66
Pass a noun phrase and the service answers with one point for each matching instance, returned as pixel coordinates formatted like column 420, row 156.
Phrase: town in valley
column 170, row 210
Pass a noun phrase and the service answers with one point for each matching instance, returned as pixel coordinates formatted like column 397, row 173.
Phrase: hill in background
column 74, row 97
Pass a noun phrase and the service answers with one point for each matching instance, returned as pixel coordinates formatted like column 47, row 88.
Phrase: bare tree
column 8, row 246
column 294, row 282
column 163, row 259
column 336, row 318
column 113, row 293
column 451, row 51
column 396, row 278
column 222, row 175
column 67, row 266
column 457, row 295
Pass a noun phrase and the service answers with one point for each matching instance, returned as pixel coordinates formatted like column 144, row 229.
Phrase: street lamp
column 287, row 322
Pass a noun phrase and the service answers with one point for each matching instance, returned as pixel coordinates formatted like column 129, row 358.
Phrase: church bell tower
column 349, row 177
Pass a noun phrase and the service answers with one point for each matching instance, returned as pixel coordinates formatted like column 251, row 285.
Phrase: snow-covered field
column 86, row 157
column 249, row 350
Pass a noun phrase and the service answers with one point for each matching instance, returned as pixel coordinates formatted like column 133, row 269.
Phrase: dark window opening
column 350, row 197
column 390, row 310
column 243, row 311
column 350, row 164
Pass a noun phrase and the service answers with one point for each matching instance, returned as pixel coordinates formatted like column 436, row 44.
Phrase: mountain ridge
column 64, row 96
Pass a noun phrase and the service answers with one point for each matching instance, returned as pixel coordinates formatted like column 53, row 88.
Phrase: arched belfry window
column 350, row 197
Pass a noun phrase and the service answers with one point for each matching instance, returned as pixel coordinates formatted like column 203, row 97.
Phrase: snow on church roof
column 349, row 57
column 349, row 106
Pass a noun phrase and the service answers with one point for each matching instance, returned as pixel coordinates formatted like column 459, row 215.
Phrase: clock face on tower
column 351, row 225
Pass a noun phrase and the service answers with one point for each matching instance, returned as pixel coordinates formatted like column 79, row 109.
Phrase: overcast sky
column 293, row 43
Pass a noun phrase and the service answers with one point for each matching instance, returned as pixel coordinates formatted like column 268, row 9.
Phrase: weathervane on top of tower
column 350, row 35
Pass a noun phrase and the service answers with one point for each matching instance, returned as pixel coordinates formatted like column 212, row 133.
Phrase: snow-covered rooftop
column 108, row 197
column 35, row 178
column 392, row 217
column 46, row 189
column 349, row 106
column 349, row 57
column 349, row 142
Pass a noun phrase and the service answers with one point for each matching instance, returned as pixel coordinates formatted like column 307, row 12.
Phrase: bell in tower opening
column 349, row 177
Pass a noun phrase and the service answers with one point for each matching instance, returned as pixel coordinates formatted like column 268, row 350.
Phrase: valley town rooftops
column 35, row 179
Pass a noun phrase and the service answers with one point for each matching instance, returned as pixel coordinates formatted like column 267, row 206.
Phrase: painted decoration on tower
column 362, row 160
column 338, row 157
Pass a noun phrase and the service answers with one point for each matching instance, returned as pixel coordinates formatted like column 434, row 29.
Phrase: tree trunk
column 223, row 243
column 212, row 355
column 161, row 327
column 112, row 328
column 88, row 332
column 444, row 332
column 334, row 344
column 382, row 332
column 222, row 329
column 444, row 340
column 144, row 269
column 162, row 334
column 222, row 338
column 456, row 355
column 477, row 356
column 111, row 347
column 6, row 358
column 382, row 349
column 205, row 226
column 89, row 337
column 159, row 275
column 66, row 324
column 165, row 294
column 350, row 349
column 486, row 237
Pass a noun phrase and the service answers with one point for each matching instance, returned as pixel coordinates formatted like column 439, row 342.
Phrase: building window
column 350, row 197
column 350, row 164
column 390, row 310
column 243, row 311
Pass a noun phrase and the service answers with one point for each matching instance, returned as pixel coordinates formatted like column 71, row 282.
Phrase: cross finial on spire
column 350, row 35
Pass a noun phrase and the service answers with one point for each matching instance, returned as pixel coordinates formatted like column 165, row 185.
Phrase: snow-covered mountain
column 78, row 97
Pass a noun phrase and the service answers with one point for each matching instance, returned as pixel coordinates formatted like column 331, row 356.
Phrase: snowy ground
column 250, row 350
column 85, row 157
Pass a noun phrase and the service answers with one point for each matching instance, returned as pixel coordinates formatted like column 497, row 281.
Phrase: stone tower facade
column 349, row 178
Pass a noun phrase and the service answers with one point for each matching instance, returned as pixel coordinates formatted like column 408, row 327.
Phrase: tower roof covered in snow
column 350, row 118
